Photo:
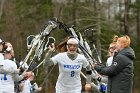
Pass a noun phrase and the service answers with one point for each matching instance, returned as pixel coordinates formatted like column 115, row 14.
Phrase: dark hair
column 6, row 49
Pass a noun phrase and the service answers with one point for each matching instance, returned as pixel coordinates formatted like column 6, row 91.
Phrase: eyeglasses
column 72, row 45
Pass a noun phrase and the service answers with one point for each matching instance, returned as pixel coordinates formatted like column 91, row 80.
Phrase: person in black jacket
column 120, row 73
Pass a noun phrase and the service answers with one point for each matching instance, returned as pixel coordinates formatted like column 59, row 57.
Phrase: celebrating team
column 119, row 72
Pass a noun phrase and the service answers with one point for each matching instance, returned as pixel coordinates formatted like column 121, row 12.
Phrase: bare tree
column 120, row 15
column 138, row 22
column 109, row 2
column 98, row 27
column 126, row 16
column 1, row 7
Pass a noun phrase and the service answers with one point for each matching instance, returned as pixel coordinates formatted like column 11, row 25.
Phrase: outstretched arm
column 8, row 71
column 47, row 61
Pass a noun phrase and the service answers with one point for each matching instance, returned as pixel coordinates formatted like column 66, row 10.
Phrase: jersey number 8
column 72, row 73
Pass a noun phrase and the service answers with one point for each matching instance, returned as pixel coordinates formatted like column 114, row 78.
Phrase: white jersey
column 26, row 86
column 6, row 80
column 1, row 65
column 109, row 61
column 1, row 59
column 69, row 80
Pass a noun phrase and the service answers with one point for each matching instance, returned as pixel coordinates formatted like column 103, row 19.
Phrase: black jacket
column 120, row 73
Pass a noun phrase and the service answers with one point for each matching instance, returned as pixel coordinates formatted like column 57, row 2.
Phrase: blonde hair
column 113, row 44
column 114, row 40
column 124, row 40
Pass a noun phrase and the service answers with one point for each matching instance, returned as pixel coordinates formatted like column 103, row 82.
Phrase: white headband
column 1, row 40
column 72, row 40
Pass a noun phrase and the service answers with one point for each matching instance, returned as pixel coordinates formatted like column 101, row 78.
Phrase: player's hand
column 18, row 70
column 51, row 47
column 87, row 87
column 39, row 89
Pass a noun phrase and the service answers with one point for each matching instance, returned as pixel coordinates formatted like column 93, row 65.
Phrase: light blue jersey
column 69, row 80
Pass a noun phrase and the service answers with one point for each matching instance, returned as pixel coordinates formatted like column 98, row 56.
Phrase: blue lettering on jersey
column 71, row 66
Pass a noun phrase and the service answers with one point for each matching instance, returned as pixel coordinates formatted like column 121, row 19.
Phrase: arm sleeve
column 8, row 68
column 57, row 58
column 17, row 77
column 47, row 61
column 88, row 74
column 7, row 71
